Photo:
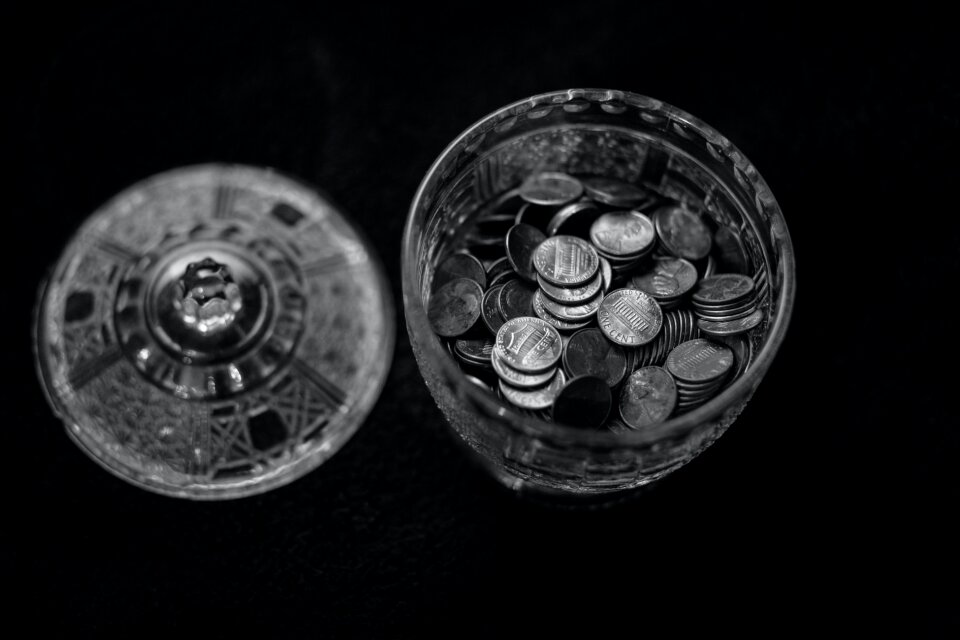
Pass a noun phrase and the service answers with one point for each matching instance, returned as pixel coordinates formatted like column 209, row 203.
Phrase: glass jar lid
column 214, row 332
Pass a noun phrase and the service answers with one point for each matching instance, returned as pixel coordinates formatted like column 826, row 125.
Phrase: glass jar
column 619, row 135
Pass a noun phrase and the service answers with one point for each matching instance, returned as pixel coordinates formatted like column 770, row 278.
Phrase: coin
column 723, row 289
column 699, row 361
column 528, row 344
column 538, row 216
column 574, row 219
column 683, row 233
column 459, row 265
column 728, row 249
column 539, row 398
column 522, row 241
column 667, row 279
column 615, row 193
column 566, row 260
column 493, row 226
column 742, row 349
column 502, row 278
column 589, row 353
column 623, row 233
column 497, row 268
column 711, row 267
column 617, row 426
column 559, row 323
column 516, row 299
column 551, row 188
column 629, row 317
column 476, row 351
column 455, row 307
column 490, row 309
column 606, row 273
column 648, row 397
column 518, row 378
column 480, row 383
column 571, row 295
column 731, row 327
column 572, row 313
column 583, row 402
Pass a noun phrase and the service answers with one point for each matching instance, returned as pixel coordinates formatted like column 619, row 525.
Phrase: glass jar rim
column 678, row 426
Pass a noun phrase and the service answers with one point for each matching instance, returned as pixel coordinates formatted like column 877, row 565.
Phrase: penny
column 522, row 241
column 559, row 323
column 475, row 351
column 731, row 327
column 583, row 402
column 566, row 260
column 606, row 273
column 502, row 278
column 728, row 249
column 668, row 278
column 497, row 268
column 699, row 361
column 711, row 268
column 459, row 265
column 623, row 233
column 493, row 226
column 551, row 188
column 571, row 295
column 617, row 426
column 455, row 307
column 742, row 349
column 478, row 382
column 535, row 215
column 518, row 378
column 726, row 288
column 683, row 233
column 539, row 398
column 629, row 317
column 515, row 300
column 490, row 309
column 615, row 193
column 648, row 397
column 528, row 344
column 589, row 353
column 572, row 313
column 574, row 219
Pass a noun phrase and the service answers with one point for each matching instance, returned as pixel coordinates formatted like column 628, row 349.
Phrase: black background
column 827, row 506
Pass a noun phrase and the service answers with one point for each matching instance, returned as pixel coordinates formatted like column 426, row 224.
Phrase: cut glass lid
column 214, row 332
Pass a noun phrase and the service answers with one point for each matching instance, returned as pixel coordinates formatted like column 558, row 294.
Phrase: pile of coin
column 726, row 304
column 570, row 281
column 590, row 290
column 699, row 368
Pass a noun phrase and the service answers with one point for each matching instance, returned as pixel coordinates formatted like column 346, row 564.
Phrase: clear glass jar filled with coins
column 594, row 285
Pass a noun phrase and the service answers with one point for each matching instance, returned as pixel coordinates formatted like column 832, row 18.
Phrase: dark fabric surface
column 825, row 507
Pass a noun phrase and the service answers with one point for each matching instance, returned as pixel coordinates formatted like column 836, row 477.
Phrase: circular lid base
column 214, row 332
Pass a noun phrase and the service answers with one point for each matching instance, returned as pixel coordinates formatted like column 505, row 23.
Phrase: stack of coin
column 525, row 357
column 679, row 325
column 699, row 368
column 724, row 298
column 474, row 353
column 570, row 282
column 624, row 238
